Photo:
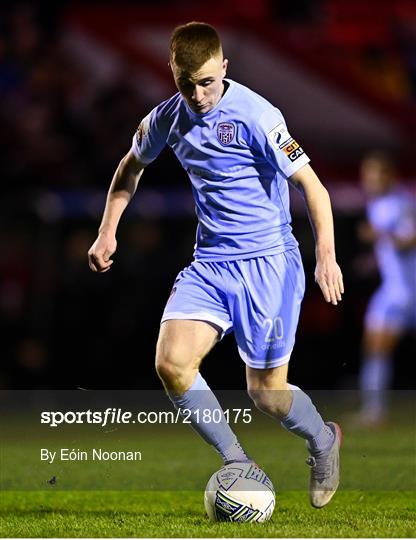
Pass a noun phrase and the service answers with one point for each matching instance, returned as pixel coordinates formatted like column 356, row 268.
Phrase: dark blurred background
column 75, row 81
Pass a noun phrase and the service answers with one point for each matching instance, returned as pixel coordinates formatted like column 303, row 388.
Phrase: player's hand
column 328, row 275
column 100, row 252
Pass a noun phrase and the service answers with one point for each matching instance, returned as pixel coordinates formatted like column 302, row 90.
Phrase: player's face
column 376, row 177
column 203, row 88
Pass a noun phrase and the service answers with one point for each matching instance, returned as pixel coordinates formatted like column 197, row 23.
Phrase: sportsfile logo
column 293, row 150
column 117, row 416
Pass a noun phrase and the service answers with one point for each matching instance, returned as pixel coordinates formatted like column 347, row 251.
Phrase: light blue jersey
column 394, row 303
column 247, row 276
column 238, row 157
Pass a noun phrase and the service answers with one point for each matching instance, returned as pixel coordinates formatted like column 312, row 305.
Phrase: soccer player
column 391, row 228
column 247, row 275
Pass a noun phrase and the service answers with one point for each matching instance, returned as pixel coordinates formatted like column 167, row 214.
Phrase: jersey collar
column 224, row 99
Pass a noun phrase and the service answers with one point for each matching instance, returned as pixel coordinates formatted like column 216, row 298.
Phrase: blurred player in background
column 247, row 275
column 391, row 228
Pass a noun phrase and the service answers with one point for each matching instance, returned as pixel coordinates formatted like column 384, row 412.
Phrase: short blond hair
column 193, row 44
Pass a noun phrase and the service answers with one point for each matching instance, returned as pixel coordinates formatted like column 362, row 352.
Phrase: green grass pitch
column 181, row 514
column 162, row 496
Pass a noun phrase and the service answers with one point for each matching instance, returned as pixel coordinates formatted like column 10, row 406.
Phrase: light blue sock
column 304, row 420
column 375, row 379
column 199, row 399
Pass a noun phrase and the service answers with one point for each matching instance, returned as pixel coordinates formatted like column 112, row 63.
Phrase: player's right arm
column 148, row 141
column 122, row 189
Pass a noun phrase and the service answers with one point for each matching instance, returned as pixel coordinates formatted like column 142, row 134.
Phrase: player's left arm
column 328, row 274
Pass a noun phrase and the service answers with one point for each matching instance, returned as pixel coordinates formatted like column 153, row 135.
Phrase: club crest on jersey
column 225, row 132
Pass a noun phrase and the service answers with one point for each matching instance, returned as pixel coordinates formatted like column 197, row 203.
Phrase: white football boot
column 324, row 478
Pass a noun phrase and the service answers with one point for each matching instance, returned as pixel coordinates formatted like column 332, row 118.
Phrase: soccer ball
column 239, row 492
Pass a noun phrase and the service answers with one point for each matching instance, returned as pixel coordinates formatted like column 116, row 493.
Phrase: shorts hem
column 198, row 316
column 264, row 364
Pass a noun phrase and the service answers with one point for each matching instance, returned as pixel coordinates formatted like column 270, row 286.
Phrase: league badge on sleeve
column 279, row 136
column 225, row 133
column 139, row 135
column 143, row 130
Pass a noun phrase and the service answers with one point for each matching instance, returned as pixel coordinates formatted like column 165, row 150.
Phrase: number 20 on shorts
column 274, row 329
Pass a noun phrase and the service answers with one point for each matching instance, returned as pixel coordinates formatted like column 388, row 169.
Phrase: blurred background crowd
column 75, row 80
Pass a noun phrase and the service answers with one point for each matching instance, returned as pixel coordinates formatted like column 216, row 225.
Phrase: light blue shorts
column 259, row 299
column 392, row 307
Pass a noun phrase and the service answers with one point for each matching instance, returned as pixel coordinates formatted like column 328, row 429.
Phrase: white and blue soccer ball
column 239, row 492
